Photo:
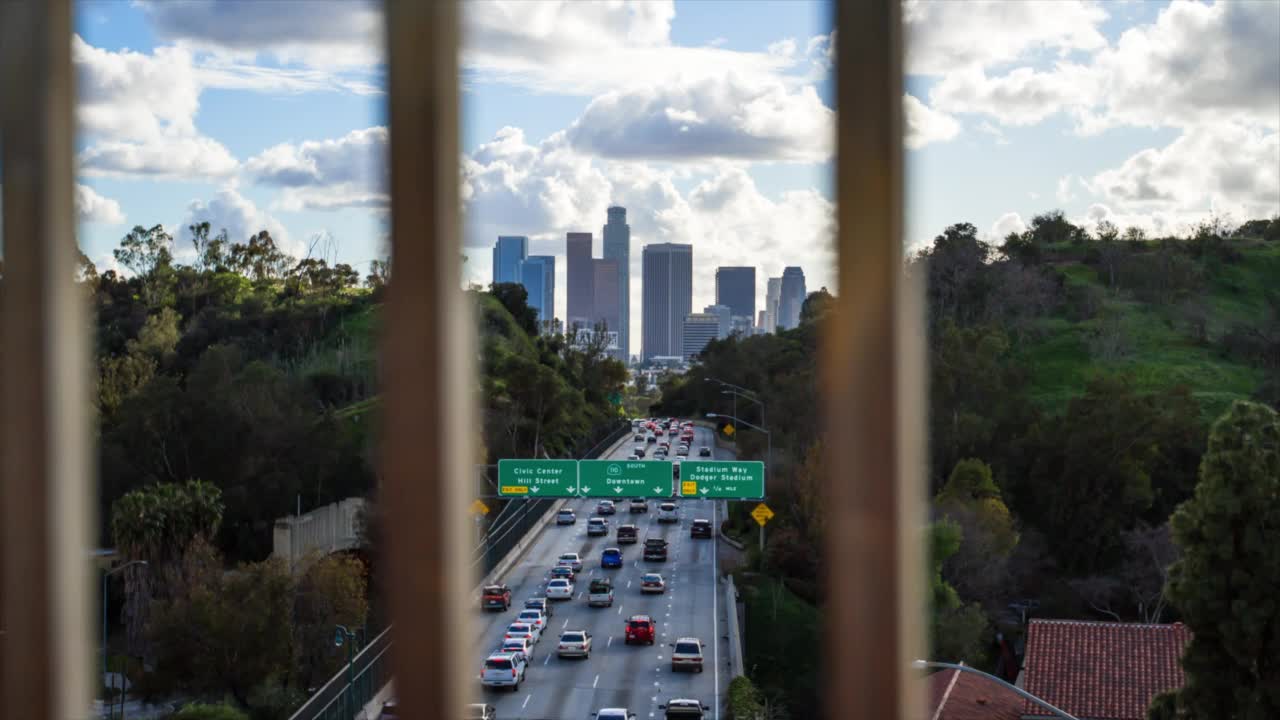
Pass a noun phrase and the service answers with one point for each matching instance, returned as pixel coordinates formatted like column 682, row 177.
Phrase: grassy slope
column 780, row 638
column 1162, row 354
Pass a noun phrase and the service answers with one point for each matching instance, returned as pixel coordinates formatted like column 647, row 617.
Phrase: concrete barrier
column 735, row 636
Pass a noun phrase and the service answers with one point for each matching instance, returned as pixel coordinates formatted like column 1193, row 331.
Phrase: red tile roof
column 1101, row 670
column 955, row 695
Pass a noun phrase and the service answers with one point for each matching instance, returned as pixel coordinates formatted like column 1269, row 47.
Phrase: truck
column 600, row 593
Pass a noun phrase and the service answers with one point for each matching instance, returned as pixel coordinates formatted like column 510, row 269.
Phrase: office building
column 604, row 304
column 617, row 247
column 508, row 253
column 761, row 319
column 538, row 275
column 723, row 314
column 790, row 297
column 772, row 293
column 736, row 288
column 579, row 279
column 739, row 325
column 699, row 329
column 667, row 297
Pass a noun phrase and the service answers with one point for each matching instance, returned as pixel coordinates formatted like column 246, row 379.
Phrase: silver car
column 574, row 643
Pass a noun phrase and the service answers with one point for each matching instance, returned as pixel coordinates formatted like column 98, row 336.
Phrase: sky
column 711, row 122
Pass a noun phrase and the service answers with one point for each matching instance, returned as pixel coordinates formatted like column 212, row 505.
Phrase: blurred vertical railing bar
column 427, row 452
column 868, row 385
column 44, row 400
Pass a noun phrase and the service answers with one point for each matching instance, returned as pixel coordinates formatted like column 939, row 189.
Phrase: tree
column 259, row 258
column 144, row 250
column 331, row 592
column 958, row 629
column 1226, row 584
column 971, row 500
column 515, row 298
column 815, row 306
column 1135, row 592
column 210, row 251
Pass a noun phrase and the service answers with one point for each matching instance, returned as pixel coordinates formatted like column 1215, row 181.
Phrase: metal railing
column 371, row 670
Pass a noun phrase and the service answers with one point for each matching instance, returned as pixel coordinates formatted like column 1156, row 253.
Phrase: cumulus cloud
column 1064, row 193
column 1010, row 222
column 924, row 125
column 230, row 210
column 944, row 36
column 350, row 171
column 94, row 208
column 163, row 157
column 727, row 117
column 325, row 34
column 1021, row 97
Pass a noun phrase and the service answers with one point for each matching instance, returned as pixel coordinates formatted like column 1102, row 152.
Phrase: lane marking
column 526, row 701
column 593, row 682
column 610, row 643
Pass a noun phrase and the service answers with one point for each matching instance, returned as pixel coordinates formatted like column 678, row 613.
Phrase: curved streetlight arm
column 129, row 564
column 740, row 422
column 922, row 664
column 731, row 385
column 741, row 395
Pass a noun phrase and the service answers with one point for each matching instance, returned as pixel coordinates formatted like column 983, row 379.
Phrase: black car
column 655, row 549
column 700, row 529
column 628, row 534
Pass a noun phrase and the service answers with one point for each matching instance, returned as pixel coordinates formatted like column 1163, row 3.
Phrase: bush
column 745, row 700
column 201, row 711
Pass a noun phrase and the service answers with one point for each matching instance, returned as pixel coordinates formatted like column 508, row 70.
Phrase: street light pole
column 106, row 575
column 768, row 437
column 922, row 664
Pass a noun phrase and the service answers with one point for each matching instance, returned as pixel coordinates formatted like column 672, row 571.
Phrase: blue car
column 611, row 558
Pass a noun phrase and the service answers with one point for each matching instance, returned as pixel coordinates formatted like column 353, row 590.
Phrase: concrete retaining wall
column 735, row 635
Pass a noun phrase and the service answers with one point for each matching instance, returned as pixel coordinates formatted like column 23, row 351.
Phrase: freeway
column 635, row 677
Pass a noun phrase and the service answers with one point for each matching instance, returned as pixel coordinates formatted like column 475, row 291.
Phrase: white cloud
column 335, row 34
column 734, row 116
column 350, row 171
column 1064, row 192
column 94, row 208
column 944, row 36
column 784, row 48
column 924, row 125
column 1021, row 97
column 821, row 50
column 229, row 210
column 1010, row 222
column 163, row 157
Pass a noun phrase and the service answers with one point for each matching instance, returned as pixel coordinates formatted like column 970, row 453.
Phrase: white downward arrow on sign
column 533, row 489
column 704, row 491
column 617, row 490
column 657, row 488
column 586, row 490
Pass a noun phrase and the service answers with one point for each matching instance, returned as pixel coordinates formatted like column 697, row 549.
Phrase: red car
column 640, row 628
column 495, row 597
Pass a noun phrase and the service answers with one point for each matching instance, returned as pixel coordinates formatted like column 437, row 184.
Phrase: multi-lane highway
column 635, row 677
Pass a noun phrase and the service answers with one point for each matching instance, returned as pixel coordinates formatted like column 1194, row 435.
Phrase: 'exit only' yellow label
column 515, row 490
column 688, row 488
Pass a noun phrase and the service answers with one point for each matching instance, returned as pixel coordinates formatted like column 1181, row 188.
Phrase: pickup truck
column 600, row 593
column 655, row 549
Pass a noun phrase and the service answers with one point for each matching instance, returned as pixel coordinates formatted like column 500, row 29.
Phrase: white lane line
column 610, row 643
column 593, row 682
column 566, row 624
column 544, row 662
column 619, row 609
column 526, row 701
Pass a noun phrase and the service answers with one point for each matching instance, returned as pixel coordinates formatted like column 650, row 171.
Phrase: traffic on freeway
column 610, row 628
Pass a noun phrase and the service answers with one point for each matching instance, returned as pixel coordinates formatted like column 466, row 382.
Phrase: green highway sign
column 624, row 478
column 722, row 479
column 538, row 478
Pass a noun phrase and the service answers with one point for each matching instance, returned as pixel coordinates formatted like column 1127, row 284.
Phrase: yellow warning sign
column 515, row 489
column 762, row 514
column 728, row 430
column 479, row 508
column 688, row 487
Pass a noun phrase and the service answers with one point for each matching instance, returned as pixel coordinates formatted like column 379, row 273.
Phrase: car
column 600, row 592
column 659, row 433
column 633, row 456
column 686, row 654
column 479, row 711
column 533, row 617
column 650, row 439
column 518, row 644
column 684, row 709
column 652, row 583
column 704, row 451
column 638, row 505
column 613, row 714
column 640, row 629
column 667, row 513
column 655, row 549
column 559, row 589
column 523, row 629
column 700, row 528
column 611, row 558
column 597, row 526
column 495, row 597
column 665, row 445
column 390, row 710
column 504, row 670
column 574, row 643
column 639, row 437
column 683, row 451
column 574, row 560
column 566, row 517
column 660, row 454
column 628, row 534
column 563, row 571
column 639, row 451
column 539, row 603
column 605, row 507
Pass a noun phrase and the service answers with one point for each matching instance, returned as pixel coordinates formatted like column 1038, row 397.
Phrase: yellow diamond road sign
column 479, row 508
column 728, row 430
column 762, row 514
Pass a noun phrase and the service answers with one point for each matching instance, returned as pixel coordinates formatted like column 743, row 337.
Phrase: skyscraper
column 617, row 247
column 508, row 253
column 604, row 307
column 791, row 297
column 698, row 330
column 724, row 318
column 773, row 292
column 538, row 275
column 736, row 288
column 579, row 277
column 667, row 297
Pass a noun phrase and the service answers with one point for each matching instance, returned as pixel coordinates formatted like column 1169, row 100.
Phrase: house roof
column 955, row 695
column 1101, row 670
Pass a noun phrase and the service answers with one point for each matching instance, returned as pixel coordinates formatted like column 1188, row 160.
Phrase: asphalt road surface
column 635, row 677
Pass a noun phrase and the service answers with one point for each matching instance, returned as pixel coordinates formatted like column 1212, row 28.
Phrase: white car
column 667, row 512
column 533, row 617
column 573, row 559
column 559, row 589
column 523, row 629
column 574, row 643
column 614, row 714
column 566, row 517
column 652, row 583
column 687, row 654
column 503, row 670
column 518, row 645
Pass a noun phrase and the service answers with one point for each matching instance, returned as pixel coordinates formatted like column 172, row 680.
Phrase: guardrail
column 735, row 635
